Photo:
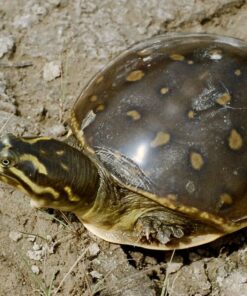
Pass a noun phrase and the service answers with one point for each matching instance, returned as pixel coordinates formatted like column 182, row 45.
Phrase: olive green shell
column 169, row 116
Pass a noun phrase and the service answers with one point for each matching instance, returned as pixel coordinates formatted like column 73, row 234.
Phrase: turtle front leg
column 161, row 227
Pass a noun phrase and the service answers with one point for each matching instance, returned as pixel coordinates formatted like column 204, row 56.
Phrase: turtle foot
column 152, row 228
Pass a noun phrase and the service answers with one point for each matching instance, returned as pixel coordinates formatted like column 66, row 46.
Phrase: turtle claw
column 152, row 229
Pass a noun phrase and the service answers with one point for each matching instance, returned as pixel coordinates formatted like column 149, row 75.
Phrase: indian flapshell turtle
column 162, row 131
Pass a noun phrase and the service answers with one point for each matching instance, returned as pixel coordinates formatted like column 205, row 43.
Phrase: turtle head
column 53, row 173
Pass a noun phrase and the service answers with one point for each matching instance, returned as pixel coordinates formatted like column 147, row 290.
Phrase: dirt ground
column 48, row 52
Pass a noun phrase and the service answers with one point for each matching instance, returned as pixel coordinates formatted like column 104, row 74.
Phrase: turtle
column 157, row 157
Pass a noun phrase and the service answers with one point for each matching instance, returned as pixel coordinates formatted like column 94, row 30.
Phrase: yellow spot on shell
column 225, row 199
column 100, row 108
column 93, row 98
column 190, row 62
column 71, row 196
column 135, row 75
column 191, row 114
column 164, row 90
column 237, row 72
column 235, row 140
column 177, row 57
column 160, row 139
column 135, row 115
column 223, row 99
column 196, row 160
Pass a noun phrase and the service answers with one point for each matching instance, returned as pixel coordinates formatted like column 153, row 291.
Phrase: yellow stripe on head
column 34, row 140
column 36, row 163
column 71, row 196
column 36, row 189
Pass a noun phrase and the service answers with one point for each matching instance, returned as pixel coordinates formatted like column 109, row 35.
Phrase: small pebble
column 31, row 238
column 35, row 269
column 6, row 45
column 36, row 247
column 57, row 130
column 173, row 267
column 93, row 250
column 39, row 10
column 15, row 236
column 95, row 274
column 49, row 238
column 138, row 257
column 35, row 255
column 52, row 70
column 55, row 2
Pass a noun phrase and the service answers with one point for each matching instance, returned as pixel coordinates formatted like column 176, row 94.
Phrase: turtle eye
column 5, row 162
column 7, row 159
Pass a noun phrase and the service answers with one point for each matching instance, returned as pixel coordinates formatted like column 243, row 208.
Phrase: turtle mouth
column 8, row 179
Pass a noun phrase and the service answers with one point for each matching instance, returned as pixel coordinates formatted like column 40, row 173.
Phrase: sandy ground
column 46, row 252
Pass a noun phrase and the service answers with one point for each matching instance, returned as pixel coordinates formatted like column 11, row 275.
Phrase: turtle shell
column 169, row 116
